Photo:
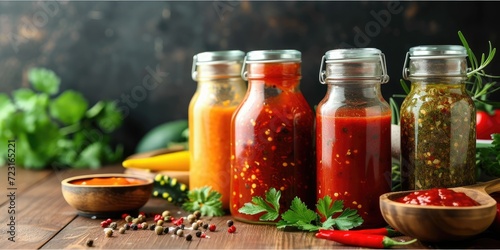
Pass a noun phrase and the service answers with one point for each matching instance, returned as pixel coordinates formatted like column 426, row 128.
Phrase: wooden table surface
column 43, row 219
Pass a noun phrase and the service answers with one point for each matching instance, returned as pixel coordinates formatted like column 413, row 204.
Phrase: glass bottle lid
column 217, row 57
column 426, row 61
column 353, row 64
column 435, row 51
column 263, row 56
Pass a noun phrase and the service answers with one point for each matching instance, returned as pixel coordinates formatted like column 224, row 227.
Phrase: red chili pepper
column 362, row 240
column 375, row 231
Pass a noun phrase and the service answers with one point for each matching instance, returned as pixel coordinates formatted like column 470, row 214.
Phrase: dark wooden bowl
column 106, row 200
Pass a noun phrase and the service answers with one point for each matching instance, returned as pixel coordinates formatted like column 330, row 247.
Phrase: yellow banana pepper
column 176, row 161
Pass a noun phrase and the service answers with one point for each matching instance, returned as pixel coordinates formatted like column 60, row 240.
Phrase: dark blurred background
column 106, row 49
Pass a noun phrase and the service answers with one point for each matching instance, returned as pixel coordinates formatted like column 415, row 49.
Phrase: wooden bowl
column 438, row 223
column 106, row 200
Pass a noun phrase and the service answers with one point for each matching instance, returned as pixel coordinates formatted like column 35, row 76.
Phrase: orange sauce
column 109, row 181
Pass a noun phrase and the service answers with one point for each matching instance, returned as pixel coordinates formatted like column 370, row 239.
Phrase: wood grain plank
column 24, row 180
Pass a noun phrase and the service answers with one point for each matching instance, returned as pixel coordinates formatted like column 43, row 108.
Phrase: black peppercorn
column 229, row 223
column 165, row 230
column 205, row 226
column 89, row 242
column 198, row 234
column 152, row 227
column 189, row 237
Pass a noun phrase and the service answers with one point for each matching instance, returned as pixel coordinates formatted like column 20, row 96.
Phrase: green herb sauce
column 438, row 137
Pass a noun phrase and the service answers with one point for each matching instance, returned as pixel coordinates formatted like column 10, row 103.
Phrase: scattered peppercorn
column 231, row 229
column 178, row 222
column 113, row 225
column 129, row 218
column 191, row 218
column 180, row 232
column 212, row 227
column 104, row 224
column 168, row 218
column 189, row 237
column 126, row 226
column 159, row 230
column 200, row 223
column 109, row 232
column 229, row 223
column 195, row 226
column 158, row 218
column 165, row 230
column 90, row 242
column 159, row 223
column 124, row 216
column 198, row 234
column 205, row 226
column 109, row 221
column 135, row 221
column 176, row 229
column 145, row 225
column 165, row 213
column 122, row 230
column 197, row 214
column 134, row 226
column 182, row 226
column 152, row 226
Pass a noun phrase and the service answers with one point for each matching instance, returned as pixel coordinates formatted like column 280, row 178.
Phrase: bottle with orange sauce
column 219, row 91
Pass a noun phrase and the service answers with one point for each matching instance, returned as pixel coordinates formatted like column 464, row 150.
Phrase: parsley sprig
column 205, row 200
column 301, row 217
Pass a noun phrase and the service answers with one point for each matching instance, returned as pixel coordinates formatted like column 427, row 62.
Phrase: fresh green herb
column 205, row 200
column 488, row 157
column 299, row 216
column 258, row 205
column 57, row 131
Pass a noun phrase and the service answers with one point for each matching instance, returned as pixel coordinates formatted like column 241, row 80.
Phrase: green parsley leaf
column 44, row 80
column 206, row 200
column 270, row 205
column 325, row 207
column 299, row 216
column 348, row 219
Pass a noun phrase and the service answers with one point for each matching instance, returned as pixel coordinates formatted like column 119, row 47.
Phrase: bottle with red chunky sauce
column 353, row 132
column 272, row 134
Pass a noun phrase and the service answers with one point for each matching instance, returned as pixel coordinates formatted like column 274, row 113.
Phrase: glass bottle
column 219, row 91
column 353, row 132
column 438, row 138
column 272, row 134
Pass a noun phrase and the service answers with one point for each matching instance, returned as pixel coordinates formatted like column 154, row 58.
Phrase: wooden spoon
column 439, row 223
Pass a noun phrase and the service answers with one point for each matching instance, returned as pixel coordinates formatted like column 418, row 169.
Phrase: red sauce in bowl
column 109, row 181
column 438, row 197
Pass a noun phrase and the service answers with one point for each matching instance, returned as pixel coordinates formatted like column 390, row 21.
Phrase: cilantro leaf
column 325, row 207
column 206, row 200
column 259, row 205
column 44, row 80
column 69, row 107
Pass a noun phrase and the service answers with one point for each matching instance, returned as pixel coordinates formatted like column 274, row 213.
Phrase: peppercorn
column 122, row 230
column 113, row 225
column 197, row 214
column 134, row 226
column 144, row 225
column 182, row 226
column 168, row 218
column 165, row 213
column 109, row 232
column 189, row 237
column 159, row 222
column 195, row 226
column 205, row 226
column 229, row 223
column 176, row 229
column 198, row 234
column 127, row 226
column 231, row 229
column 135, row 221
column 165, row 230
column 211, row 227
column 191, row 218
column 141, row 217
column 152, row 226
column 129, row 218
column 159, row 230
column 180, row 232
column 90, row 242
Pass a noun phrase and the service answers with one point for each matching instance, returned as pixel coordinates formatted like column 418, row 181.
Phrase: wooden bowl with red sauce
column 431, row 223
column 106, row 195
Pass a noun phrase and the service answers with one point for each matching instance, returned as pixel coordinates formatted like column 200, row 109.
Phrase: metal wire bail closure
column 367, row 68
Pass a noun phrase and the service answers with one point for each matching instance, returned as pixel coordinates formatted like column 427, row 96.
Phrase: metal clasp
column 244, row 73
column 194, row 73
column 321, row 71
column 406, row 70
column 385, row 77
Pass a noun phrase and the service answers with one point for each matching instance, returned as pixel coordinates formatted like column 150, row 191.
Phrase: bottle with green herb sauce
column 438, row 119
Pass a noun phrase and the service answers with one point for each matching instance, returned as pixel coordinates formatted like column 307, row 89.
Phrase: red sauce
column 272, row 139
column 354, row 158
column 438, row 197
column 108, row 181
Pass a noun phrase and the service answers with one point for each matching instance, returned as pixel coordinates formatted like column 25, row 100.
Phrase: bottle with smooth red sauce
column 353, row 132
column 272, row 134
